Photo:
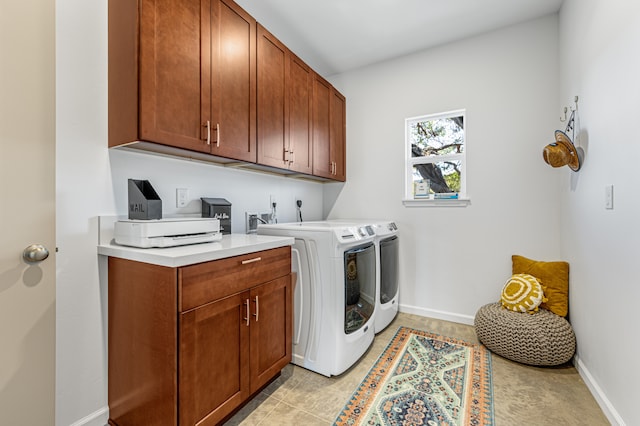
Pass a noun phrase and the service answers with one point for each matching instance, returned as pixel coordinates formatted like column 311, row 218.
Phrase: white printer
column 168, row 232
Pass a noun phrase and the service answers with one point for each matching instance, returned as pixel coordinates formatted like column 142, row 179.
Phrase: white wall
column 92, row 181
column 455, row 259
column 245, row 190
column 599, row 41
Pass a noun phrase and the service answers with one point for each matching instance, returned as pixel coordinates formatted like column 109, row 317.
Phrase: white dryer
column 334, row 297
column 387, row 260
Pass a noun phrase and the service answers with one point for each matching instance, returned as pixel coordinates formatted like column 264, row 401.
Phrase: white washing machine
column 387, row 260
column 334, row 297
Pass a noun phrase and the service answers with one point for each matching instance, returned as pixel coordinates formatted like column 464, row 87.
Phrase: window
column 435, row 158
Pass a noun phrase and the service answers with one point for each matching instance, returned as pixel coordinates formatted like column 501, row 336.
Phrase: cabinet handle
column 208, row 126
column 218, row 135
column 257, row 309
column 291, row 157
column 284, row 155
column 246, row 303
column 255, row 259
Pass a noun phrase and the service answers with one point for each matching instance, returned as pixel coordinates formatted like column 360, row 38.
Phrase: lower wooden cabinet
column 173, row 363
column 269, row 342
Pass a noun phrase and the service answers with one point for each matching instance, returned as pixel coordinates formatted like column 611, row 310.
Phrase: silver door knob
column 35, row 253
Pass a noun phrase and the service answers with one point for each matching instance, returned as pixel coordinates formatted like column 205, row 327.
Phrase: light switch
column 608, row 197
column 182, row 197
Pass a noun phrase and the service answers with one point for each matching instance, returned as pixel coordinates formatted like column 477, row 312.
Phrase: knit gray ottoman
column 541, row 339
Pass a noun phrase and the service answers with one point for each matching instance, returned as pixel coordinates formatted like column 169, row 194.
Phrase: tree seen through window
column 437, row 148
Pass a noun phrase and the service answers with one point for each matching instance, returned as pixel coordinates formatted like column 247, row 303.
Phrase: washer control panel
column 355, row 233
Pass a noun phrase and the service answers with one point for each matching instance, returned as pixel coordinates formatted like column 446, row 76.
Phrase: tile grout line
column 304, row 411
column 279, row 400
column 270, row 411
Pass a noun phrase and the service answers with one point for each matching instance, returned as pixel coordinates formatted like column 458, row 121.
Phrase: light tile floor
column 522, row 394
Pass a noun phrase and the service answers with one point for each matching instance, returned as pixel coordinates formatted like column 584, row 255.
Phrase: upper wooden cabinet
column 328, row 123
column 154, row 72
column 300, row 95
column 322, row 165
column 203, row 76
column 338, row 134
column 273, row 105
column 232, row 81
column 182, row 73
column 284, row 106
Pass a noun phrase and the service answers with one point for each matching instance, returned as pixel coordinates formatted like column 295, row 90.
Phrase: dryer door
column 388, row 269
column 360, row 286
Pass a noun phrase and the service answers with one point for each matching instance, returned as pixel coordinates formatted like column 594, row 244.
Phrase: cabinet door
column 214, row 355
column 232, row 77
column 272, row 101
column 169, row 80
column 300, row 90
column 270, row 330
column 338, row 134
column 322, row 163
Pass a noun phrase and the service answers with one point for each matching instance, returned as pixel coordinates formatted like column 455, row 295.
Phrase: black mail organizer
column 144, row 202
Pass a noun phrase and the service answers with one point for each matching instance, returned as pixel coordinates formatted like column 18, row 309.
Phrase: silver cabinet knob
column 35, row 253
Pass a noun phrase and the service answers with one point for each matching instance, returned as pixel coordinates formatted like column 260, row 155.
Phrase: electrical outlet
column 266, row 217
column 252, row 220
column 182, row 197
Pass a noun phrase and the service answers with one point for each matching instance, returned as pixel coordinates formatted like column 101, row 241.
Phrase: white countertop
column 230, row 245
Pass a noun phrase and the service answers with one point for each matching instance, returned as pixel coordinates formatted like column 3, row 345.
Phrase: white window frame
column 408, row 199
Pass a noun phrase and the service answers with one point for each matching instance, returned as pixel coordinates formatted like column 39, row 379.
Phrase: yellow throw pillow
column 522, row 293
column 554, row 276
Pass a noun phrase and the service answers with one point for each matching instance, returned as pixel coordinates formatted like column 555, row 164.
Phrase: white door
column 27, row 209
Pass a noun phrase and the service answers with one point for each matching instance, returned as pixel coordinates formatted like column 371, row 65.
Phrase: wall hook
column 575, row 101
column 563, row 119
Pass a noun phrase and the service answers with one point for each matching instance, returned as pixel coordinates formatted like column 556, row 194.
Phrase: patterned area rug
column 424, row 379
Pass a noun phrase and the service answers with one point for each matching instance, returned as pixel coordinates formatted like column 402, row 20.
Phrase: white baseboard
column 433, row 313
column 97, row 418
column 607, row 408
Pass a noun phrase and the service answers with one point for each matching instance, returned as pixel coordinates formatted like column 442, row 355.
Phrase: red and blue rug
column 424, row 379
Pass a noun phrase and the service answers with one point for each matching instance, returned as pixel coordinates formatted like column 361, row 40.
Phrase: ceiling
column 334, row 36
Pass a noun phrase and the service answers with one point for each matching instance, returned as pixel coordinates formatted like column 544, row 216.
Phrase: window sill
column 458, row 202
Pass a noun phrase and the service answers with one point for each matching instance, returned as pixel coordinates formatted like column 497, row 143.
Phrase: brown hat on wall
column 562, row 153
